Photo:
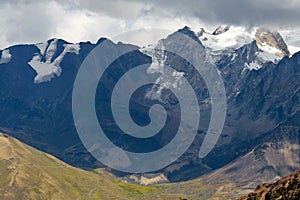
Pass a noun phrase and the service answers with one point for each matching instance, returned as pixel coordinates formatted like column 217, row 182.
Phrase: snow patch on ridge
column 51, row 50
column 267, row 56
column 5, row 57
column 272, row 50
column 45, row 70
column 68, row 48
column 253, row 66
column 48, row 70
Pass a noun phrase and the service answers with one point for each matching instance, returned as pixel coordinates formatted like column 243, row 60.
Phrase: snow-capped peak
column 271, row 45
column 225, row 37
column 233, row 37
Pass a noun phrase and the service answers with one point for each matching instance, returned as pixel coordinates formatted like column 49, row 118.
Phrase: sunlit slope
column 26, row 173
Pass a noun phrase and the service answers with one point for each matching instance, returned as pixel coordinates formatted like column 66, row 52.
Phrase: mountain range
column 260, row 71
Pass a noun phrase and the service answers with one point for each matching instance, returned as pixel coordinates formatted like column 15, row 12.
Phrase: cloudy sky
column 32, row 21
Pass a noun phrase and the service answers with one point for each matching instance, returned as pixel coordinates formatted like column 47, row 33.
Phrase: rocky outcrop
column 221, row 29
column 273, row 39
column 286, row 188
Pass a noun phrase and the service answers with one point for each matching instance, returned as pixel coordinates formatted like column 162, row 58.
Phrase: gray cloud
column 79, row 20
column 251, row 12
column 240, row 12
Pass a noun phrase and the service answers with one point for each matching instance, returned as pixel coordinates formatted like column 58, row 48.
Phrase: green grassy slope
column 26, row 173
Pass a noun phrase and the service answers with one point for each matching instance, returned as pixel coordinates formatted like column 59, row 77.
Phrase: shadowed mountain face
column 263, row 101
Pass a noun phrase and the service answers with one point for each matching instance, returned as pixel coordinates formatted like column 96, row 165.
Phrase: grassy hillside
column 26, row 173
column 30, row 174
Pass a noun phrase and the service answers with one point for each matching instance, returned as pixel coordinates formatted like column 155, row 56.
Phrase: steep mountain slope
column 285, row 188
column 37, row 105
column 267, row 162
column 260, row 102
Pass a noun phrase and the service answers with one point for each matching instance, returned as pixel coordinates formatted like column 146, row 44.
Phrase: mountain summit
column 273, row 41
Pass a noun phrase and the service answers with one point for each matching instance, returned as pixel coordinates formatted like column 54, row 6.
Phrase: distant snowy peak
column 45, row 64
column 265, row 45
column 5, row 56
column 227, row 39
column 232, row 37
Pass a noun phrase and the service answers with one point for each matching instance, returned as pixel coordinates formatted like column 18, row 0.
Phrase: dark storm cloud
column 243, row 12
column 247, row 12
column 240, row 12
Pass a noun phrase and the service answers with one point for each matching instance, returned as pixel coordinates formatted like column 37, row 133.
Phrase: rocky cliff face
column 273, row 39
